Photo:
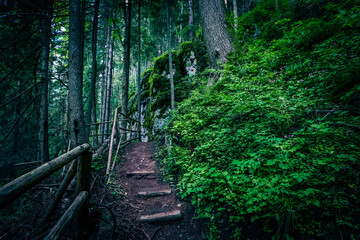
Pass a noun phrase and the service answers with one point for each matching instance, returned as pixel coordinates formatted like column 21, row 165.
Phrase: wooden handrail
column 101, row 134
column 128, row 130
column 67, row 216
column 91, row 124
column 60, row 192
column 127, row 117
column 20, row 185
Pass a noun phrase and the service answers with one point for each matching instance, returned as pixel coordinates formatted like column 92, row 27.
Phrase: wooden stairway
column 156, row 199
column 161, row 215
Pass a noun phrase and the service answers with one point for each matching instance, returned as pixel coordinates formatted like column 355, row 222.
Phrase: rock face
column 191, row 64
column 189, row 60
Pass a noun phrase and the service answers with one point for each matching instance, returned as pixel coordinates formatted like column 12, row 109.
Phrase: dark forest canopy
column 261, row 122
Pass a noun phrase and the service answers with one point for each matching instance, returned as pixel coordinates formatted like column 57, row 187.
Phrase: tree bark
column 109, row 86
column 139, row 72
column 236, row 15
column 125, row 82
column 92, row 97
column 46, row 13
column 181, row 22
column 104, row 82
column 76, row 111
column 170, row 56
column 218, row 40
column 191, row 20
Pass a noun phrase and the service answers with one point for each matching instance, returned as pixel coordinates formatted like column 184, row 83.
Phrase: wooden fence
column 122, row 131
column 80, row 159
column 80, row 168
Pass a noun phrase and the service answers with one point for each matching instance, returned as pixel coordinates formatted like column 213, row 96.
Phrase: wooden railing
column 123, row 131
column 116, row 128
column 81, row 168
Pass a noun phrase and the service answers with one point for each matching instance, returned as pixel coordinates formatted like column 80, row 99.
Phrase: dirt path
column 161, row 214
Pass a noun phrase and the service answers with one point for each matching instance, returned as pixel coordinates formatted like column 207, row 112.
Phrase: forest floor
column 138, row 174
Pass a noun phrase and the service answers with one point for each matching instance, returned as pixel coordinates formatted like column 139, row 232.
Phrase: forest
column 253, row 105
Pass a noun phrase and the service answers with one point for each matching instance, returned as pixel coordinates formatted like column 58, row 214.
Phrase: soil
column 140, row 157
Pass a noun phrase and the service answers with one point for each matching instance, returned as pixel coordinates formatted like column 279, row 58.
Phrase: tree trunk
column 125, row 83
column 104, row 83
column 82, row 33
column 191, row 20
column 218, row 40
column 92, row 97
column 181, row 22
column 16, row 131
column 109, row 86
column 77, row 123
column 139, row 72
column 76, row 110
column 170, row 56
column 236, row 15
column 46, row 13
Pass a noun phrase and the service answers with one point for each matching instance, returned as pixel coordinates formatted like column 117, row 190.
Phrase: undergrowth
column 274, row 143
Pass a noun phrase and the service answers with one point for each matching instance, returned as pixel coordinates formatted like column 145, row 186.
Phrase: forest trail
column 161, row 214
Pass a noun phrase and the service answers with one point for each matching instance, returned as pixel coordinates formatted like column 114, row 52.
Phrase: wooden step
column 153, row 192
column 139, row 173
column 161, row 217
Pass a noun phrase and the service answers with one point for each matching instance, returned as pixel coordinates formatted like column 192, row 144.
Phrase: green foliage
column 199, row 50
column 156, row 83
column 275, row 142
column 97, row 163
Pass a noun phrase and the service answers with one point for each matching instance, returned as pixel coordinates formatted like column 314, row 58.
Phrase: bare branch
column 17, row 66
column 357, row 128
column 22, row 39
column 11, row 100
column 8, row 15
column 17, row 120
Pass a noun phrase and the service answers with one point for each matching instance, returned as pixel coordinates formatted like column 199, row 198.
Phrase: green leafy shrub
column 273, row 146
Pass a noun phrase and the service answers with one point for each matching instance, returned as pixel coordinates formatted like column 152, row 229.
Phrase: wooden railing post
column 83, row 178
column 111, row 142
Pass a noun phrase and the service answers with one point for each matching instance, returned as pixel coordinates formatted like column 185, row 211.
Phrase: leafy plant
column 274, row 144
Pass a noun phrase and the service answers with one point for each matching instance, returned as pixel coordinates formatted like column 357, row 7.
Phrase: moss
column 199, row 49
column 185, row 49
column 161, row 63
column 156, row 85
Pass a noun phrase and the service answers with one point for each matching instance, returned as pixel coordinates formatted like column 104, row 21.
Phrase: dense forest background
column 256, row 105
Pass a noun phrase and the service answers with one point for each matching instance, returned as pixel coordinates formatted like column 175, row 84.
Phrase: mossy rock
column 155, row 85
column 161, row 63
column 199, row 50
